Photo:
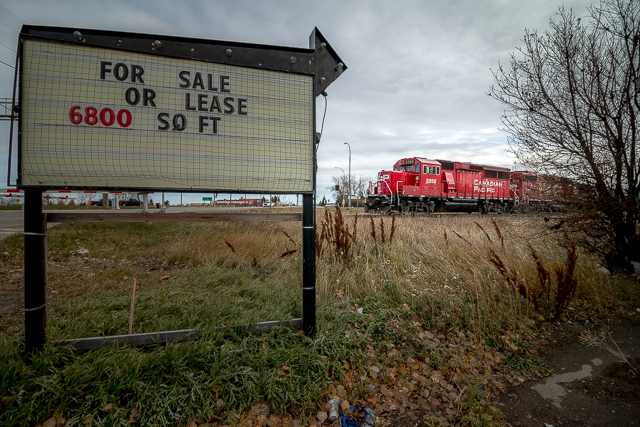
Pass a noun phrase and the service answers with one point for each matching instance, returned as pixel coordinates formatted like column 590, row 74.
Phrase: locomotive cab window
column 431, row 170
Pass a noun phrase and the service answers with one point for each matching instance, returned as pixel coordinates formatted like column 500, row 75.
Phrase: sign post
column 35, row 271
column 125, row 112
column 308, row 265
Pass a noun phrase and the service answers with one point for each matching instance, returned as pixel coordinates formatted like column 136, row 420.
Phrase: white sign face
column 100, row 118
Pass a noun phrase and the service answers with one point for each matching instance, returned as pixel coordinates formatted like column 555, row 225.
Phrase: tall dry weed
column 567, row 282
column 373, row 228
column 512, row 278
column 557, row 296
column 496, row 227
column 393, row 227
column 544, row 276
column 336, row 237
column 484, row 231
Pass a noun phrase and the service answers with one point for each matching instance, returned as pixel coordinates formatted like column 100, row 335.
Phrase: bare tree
column 571, row 111
column 360, row 187
column 341, row 193
column 82, row 198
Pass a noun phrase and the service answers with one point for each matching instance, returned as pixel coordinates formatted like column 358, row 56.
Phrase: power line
column 2, row 44
column 13, row 15
column 9, row 26
column 2, row 62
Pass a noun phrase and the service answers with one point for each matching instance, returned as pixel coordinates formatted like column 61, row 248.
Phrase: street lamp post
column 342, row 181
column 349, row 192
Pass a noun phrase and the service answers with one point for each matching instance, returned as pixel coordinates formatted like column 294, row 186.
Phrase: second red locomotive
column 417, row 184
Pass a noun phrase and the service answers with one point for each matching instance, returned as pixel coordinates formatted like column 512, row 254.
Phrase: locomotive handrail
column 387, row 184
column 516, row 199
column 397, row 188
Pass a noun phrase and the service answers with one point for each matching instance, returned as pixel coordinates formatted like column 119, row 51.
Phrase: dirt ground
column 590, row 385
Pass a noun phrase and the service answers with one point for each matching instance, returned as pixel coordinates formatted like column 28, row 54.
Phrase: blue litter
column 366, row 414
column 347, row 422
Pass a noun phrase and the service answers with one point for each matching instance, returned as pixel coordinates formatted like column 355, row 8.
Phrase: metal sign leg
column 35, row 271
column 308, row 265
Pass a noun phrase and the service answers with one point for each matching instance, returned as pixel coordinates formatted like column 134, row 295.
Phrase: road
column 12, row 222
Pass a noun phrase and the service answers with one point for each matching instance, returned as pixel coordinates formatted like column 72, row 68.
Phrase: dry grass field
column 414, row 313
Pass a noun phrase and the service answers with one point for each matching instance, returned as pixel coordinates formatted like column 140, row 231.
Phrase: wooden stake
column 133, row 302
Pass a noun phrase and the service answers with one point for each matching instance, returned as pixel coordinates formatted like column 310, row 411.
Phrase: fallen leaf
column 108, row 407
column 342, row 393
column 135, row 413
column 6, row 400
column 164, row 277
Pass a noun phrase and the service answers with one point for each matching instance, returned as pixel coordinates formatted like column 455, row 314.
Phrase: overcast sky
column 417, row 78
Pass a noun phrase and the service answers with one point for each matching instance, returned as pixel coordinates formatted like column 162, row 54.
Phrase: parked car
column 99, row 202
column 131, row 202
column 267, row 204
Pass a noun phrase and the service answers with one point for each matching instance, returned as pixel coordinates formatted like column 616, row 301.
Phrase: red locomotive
column 417, row 184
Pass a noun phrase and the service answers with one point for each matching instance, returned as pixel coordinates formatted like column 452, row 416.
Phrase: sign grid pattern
column 100, row 118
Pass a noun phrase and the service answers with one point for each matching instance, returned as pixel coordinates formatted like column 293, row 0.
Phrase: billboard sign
column 165, row 114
